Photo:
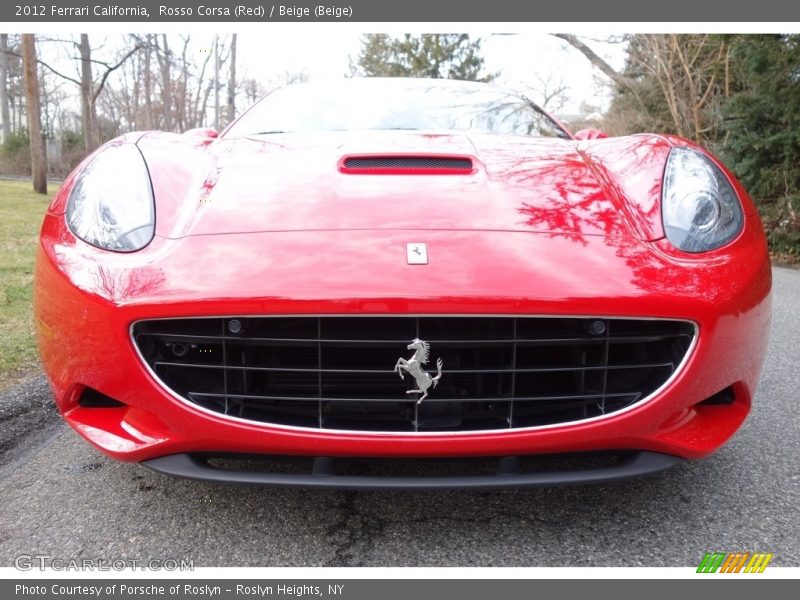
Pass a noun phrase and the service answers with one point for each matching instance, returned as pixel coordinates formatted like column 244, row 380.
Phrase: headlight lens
column 700, row 210
column 111, row 204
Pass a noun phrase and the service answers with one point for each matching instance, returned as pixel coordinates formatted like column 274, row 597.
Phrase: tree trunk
column 216, row 83
column 618, row 78
column 183, row 119
column 231, row 112
column 88, row 115
column 148, row 103
column 166, row 84
column 38, row 153
column 4, row 108
column 201, row 95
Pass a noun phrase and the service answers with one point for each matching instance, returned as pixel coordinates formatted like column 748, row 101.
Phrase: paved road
column 58, row 496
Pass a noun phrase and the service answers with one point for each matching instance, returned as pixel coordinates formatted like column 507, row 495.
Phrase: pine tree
column 439, row 56
column 762, row 122
column 762, row 134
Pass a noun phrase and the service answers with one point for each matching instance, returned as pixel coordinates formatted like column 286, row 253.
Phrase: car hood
column 293, row 182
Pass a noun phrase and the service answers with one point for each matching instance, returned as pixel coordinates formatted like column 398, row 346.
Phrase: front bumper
column 86, row 300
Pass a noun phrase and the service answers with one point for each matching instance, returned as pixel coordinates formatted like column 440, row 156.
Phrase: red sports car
column 353, row 276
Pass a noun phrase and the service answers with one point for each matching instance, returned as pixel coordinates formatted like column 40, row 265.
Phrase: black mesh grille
column 337, row 372
column 408, row 162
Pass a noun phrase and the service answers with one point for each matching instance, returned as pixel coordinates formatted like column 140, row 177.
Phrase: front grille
column 421, row 163
column 336, row 373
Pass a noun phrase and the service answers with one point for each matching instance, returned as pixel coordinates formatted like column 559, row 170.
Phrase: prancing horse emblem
column 414, row 366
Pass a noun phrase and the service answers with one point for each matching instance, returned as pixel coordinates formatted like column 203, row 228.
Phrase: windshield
column 385, row 104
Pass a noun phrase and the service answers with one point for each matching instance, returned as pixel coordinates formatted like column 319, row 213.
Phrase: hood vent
column 407, row 164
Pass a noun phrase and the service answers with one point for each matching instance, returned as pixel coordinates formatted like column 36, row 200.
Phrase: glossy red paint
column 519, row 184
column 274, row 227
column 590, row 134
column 203, row 132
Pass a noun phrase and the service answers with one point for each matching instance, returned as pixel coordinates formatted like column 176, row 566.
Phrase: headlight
column 698, row 205
column 111, row 204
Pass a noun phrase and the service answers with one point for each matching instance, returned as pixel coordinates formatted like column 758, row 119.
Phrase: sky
column 524, row 60
column 531, row 62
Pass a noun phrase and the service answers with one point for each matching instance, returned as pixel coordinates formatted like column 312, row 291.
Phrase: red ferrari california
column 353, row 277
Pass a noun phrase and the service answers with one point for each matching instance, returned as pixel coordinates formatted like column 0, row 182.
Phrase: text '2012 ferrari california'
column 359, row 275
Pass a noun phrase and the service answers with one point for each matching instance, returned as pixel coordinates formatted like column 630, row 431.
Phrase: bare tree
column 594, row 58
column 15, row 82
column 550, row 91
column 96, row 87
column 88, row 112
column 4, row 108
column 148, row 85
column 252, row 89
column 90, row 89
column 175, row 87
column 217, row 62
column 38, row 153
column 202, row 92
column 692, row 72
column 181, row 87
column 51, row 97
column 231, row 109
column 164, row 62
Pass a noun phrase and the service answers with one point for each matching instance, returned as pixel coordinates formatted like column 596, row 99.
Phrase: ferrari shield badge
column 414, row 366
column 417, row 253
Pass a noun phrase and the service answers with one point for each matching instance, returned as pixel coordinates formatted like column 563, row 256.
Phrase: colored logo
column 734, row 562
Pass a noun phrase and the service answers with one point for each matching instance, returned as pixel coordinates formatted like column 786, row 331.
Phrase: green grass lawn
column 21, row 212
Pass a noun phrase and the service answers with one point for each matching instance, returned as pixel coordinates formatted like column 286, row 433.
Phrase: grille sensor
column 407, row 164
column 335, row 373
